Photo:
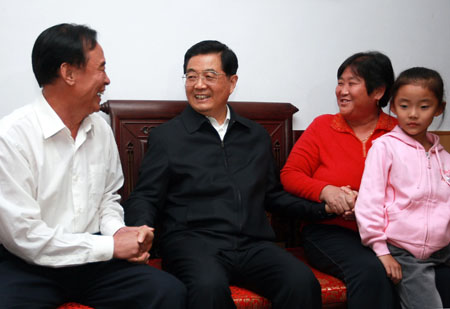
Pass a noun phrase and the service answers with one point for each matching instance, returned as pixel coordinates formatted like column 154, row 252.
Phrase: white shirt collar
column 49, row 120
column 221, row 128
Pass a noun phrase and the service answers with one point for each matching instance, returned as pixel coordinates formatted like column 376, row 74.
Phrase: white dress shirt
column 220, row 128
column 57, row 192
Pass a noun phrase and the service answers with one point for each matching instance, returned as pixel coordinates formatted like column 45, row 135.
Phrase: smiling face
column 415, row 107
column 353, row 100
column 91, row 80
column 209, row 98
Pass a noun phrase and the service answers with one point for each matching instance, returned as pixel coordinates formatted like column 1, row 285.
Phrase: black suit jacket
column 195, row 183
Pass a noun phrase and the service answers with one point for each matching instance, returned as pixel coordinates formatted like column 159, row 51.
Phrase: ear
column 67, row 73
column 233, row 81
column 378, row 93
column 441, row 109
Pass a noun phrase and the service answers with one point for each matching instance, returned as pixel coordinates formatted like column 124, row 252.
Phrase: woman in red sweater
column 326, row 164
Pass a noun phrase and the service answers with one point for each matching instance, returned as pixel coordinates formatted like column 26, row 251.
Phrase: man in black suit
column 209, row 176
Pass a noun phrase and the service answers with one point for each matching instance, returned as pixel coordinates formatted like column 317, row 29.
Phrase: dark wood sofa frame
column 132, row 120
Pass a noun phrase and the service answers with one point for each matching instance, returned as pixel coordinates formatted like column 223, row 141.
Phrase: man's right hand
column 132, row 243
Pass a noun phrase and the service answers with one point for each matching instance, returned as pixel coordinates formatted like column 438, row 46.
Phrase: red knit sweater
column 329, row 153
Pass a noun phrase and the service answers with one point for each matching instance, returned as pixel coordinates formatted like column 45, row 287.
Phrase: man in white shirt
column 62, row 233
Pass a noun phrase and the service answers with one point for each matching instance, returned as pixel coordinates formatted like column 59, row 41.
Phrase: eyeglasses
column 208, row 77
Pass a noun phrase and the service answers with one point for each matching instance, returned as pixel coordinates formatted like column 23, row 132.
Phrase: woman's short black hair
column 376, row 70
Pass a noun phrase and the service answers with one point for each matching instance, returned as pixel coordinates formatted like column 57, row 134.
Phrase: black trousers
column 262, row 267
column 112, row 284
column 442, row 273
column 338, row 251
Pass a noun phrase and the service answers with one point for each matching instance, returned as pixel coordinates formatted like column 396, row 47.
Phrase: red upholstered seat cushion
column 334, row 292
column 244, row 299
column 73, row 306
column 333, row 289
column 247, row 299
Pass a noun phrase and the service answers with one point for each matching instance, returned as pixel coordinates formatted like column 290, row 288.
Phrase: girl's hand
column 392, row 267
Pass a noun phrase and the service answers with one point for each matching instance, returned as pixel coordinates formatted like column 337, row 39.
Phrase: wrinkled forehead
column 205, row 62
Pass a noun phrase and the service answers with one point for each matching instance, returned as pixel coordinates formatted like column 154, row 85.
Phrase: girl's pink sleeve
column 370, row 205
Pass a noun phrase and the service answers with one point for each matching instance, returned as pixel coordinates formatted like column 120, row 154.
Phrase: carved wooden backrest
column 131, row 122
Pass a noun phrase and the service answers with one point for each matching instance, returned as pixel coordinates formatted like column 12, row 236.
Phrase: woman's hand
column 351, row 201
column 393, row 268
column 338, row 200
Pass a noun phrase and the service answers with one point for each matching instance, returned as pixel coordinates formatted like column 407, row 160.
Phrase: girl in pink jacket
column 403, row 207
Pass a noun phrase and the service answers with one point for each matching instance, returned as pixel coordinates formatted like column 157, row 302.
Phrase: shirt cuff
column 380, row 248
column 102, row 248
column 112, row 228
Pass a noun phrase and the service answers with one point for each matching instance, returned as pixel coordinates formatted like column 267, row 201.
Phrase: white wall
column 288, row 50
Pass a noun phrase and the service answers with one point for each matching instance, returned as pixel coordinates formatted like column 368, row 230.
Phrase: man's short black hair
column 63, row 43
column 228, row 57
